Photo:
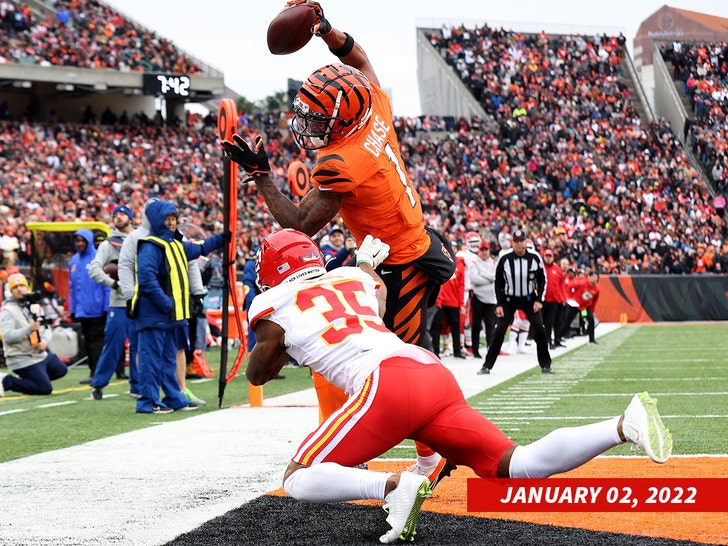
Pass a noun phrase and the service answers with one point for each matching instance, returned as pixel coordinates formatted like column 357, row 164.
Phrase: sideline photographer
column 25, row 339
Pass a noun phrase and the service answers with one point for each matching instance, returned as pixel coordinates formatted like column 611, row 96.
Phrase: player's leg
column 370, row 423
column 567, row 448
column 478, row 310
column 496, row 343
column 539, row 337
column 409, row 291
column 436, row 320
column 403, row 493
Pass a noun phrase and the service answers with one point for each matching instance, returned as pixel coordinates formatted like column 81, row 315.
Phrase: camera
column 31, row 297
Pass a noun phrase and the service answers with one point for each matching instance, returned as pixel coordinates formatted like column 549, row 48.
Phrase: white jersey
column 332, row 326
column 469, row 258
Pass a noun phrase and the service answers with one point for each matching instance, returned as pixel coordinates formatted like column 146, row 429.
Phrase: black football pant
column 571, row 312
column 451, row 316
column 502, row 324
column 482, row 312
column 552, row 320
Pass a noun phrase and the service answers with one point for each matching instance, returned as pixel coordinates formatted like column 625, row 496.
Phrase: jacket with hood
column 155, row 303
column 86, row 298
column 128, row 260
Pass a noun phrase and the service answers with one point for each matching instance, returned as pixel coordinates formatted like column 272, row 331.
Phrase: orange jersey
column 382, row 200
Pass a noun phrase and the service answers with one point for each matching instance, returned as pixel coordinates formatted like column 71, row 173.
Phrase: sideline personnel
column 520, row 283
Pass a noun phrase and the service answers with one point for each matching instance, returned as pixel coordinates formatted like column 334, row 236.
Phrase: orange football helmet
column 333, row 103
column 287, row 255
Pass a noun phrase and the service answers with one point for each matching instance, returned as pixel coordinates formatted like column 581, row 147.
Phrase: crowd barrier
column 662, row 298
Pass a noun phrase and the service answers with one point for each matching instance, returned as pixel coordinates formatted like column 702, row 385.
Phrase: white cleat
column 403, row 504
column 643, row 427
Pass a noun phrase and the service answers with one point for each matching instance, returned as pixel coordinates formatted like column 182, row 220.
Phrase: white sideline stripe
column 53, row 405
column 604, row 417
column 654, row 379
column 9, row 412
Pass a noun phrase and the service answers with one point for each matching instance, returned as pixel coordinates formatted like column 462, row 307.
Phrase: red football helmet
column 285, row 256
column 334, row 102
column 472, row 238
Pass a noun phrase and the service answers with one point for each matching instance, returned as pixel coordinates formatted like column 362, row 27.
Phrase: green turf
column 684, row 366
column 34, row 424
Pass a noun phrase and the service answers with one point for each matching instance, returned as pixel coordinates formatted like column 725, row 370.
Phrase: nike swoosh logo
column 384, row 272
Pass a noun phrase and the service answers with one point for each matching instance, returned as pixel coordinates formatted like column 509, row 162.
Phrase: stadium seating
column 561, row 150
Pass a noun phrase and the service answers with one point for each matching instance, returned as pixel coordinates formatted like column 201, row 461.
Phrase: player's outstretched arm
column 343, row 45
column 269, row 354
column 314, row 211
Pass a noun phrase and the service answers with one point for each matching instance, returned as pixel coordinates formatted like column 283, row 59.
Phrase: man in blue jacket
column 88, row 300
column 161, row 306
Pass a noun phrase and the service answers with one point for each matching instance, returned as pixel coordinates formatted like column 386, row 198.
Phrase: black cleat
column 546, row 370
column 444, row 473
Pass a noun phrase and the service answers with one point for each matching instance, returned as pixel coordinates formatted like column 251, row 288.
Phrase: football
column 112, row 270
column 290, row 30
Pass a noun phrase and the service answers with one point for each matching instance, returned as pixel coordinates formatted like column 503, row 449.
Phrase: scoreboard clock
column 167, row 85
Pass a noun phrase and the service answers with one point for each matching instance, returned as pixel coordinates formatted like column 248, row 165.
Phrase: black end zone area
column 274, row 521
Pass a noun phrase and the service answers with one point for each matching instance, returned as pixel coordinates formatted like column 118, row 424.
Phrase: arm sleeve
column 338, row 259
column 96, row 268
column 595, row 299
column 10, row 331
column 500, row 283
column 71, row 291
column 127, row 266
column 195, row 250
column 541, row 281
column 197, row 287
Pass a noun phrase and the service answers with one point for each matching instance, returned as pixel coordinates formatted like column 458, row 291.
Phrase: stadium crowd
column 702, row 69
column 86, row 34
column 561, row 149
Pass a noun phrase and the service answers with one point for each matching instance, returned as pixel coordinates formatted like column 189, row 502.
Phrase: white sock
column 428, row 464
column 512, row 340
column 331, row 482
column 447, row 341
column 522, row 337
column 564, row 449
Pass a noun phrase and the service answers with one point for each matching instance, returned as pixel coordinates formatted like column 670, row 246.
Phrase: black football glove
column 255, row 162
column 322, row 26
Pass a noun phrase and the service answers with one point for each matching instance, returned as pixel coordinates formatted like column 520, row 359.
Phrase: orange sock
column 330, row 398
column 423, row 450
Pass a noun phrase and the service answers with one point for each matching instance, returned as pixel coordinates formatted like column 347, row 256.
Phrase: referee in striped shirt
column 520, row 283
